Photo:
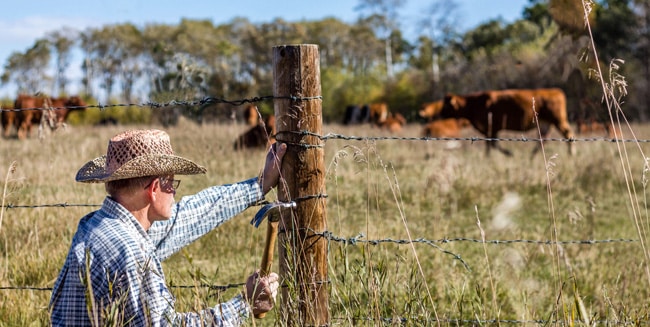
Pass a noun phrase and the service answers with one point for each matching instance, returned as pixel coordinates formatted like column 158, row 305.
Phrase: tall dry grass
column 390, row 191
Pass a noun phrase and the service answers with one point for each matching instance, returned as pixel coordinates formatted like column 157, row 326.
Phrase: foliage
column 197, row 58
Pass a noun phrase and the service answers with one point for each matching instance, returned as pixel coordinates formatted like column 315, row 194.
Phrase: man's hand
column 260, row 292
column 271, row 173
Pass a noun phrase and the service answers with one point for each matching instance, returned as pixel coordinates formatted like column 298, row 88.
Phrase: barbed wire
column 212, row 287
column 354, row 240
column 472, row 139
column 359, row 238
column 210, row 100
column 481, row 322
column 173, row 103
column 384, row 319
column 54, row 205
column 68, row 205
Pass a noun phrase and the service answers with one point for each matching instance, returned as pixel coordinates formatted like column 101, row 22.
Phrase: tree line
column 366, row 61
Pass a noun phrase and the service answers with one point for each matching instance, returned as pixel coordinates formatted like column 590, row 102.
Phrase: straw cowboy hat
column 137, row 153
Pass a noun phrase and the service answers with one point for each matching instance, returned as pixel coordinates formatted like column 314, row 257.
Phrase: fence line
column 330, row 136
column 359, row 238
column 213, row 287
column 481, row 322
column 153, row 104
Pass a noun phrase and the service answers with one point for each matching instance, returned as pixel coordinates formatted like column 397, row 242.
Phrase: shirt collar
column 113, row 209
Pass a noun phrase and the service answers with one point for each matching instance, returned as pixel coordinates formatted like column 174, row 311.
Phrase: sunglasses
column 166, row 183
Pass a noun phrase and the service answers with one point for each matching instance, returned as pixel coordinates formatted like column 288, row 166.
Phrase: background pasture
column 389, row 190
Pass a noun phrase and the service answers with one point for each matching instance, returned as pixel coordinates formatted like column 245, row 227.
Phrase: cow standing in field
column 355, row 114
column 63, row 107
column 43, row 111
column 593, row 126
column 448, row 127
column 251, row 115
column 31, row 112
column 492, row 111
column 378, row 112
column 430, row 110
column 259, row 136
column 8, row 119
column 393, row 122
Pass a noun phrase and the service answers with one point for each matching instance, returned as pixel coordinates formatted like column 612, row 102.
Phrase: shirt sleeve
column 227, row 314
column 196, row 215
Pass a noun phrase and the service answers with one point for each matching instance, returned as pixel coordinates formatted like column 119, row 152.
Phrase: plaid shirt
column 114, row 259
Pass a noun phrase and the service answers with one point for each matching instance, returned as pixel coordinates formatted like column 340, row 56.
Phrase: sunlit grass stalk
column 618, row 84
column 495, row 303
column 12, row 169
column 548, row 171
column 397, row 196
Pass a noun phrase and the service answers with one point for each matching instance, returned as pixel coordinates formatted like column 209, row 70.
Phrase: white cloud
column 26, row 30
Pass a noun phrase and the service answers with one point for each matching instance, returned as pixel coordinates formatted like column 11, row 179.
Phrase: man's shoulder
column 105, row 235
column 98, row 224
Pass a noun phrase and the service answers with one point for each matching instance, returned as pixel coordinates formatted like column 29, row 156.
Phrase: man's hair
column 128, row 185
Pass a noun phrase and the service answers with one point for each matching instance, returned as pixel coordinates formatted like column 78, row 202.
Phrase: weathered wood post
column 302, row 255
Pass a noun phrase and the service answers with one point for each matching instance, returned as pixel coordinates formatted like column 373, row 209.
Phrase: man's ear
column 153, row 189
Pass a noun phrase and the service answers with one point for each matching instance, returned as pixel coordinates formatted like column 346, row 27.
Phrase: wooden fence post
column 302, row 255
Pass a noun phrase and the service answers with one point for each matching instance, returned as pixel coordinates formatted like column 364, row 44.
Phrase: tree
column 62, row 42
column 382, row 17
column 643, row 50
column 614, row 29
column 440, row 22
column 29, row 70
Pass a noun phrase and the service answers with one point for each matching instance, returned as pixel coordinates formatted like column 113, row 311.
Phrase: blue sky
column 22, row 22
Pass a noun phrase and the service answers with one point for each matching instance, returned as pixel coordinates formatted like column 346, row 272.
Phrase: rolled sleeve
column 196, row 215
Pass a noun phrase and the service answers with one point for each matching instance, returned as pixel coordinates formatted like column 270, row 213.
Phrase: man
column 113, row 274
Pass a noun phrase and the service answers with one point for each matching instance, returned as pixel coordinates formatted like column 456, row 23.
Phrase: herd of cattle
column 488, row 112
column 39, row 110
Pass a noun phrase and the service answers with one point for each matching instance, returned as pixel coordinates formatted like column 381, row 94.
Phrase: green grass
column 387, row 190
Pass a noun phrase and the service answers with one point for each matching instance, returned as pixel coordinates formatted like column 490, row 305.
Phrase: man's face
column 163, row 204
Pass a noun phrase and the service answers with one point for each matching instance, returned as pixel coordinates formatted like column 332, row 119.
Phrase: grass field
column 389, row 190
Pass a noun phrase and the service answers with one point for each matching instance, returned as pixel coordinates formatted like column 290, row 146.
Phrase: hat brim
column 94, row 171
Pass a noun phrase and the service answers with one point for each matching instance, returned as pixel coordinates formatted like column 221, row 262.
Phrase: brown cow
column 64, row 106
column 52, row 112
column 8, row 119
column 593, row 126
column 448, row 127
column 590, row 126
column 393, row 122
column 430, row 110
column 251, row 115
column 492, row 111
column 27, row 117
column 259, row 136
column 378, row 112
